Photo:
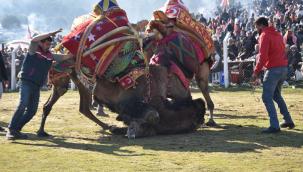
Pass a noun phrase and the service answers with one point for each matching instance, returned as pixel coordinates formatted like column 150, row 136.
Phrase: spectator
column 300, row 35
column 248, row 46
column 290, row 38
column 232, row 49
column 250, row 24
column 202, row 19
column 3, row 78
column 294, row 59
column 225, row 16
column 25, row 51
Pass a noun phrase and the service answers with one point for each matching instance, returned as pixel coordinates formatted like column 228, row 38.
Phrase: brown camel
column 175, row 88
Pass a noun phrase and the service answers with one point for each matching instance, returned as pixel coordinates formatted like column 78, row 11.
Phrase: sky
column 48, row 15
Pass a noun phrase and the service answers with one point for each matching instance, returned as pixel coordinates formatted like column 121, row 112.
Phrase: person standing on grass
column 3, row 78
column 272, row 57
column 34, row 72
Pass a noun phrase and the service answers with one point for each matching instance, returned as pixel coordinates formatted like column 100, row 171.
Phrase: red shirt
column 272, row 50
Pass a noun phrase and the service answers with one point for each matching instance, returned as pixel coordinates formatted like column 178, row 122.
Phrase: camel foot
column 211, row 123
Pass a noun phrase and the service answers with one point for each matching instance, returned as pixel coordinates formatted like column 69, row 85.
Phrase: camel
column 175, row 88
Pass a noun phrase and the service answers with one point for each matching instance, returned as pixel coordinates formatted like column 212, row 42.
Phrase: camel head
column 161, row 25
column 143, row 127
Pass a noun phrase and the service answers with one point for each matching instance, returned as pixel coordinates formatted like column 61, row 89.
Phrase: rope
column 82, row 44
column 109, row 34
column 108, row 43
column 253, row 91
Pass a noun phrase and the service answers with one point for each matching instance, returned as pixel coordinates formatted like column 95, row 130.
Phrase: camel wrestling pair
column 144, row 78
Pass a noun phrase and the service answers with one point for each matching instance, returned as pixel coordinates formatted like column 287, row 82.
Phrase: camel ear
column 159, row 15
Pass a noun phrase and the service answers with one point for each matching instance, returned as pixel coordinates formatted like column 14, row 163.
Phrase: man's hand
column 254, row 77
column 255, row 81
column 45, row 35
column 58, row 31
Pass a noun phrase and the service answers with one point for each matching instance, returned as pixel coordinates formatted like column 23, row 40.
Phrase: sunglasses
column 49, row 39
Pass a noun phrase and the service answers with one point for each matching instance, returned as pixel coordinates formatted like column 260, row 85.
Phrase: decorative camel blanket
column 186, row 24
column 183, row 55
column 60, row 70
column 104, row 47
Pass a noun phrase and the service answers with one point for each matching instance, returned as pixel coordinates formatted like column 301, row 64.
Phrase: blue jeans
column 272, row 84
column 27, row 108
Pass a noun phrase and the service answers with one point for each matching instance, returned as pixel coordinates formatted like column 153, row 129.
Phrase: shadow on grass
column 229, row 138
column 3, row 124
column 64, row 142
column 221, row 89
column 229, row 116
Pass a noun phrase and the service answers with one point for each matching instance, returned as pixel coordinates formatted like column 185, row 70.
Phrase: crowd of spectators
column 285, row 15
column 7, row 56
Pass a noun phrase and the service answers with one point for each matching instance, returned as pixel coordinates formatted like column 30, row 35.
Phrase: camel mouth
column 133, row 130
column 139, row 127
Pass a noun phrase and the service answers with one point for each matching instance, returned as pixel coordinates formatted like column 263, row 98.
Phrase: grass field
column 79, row 145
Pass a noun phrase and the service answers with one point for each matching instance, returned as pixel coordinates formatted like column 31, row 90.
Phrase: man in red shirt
column 272, row 57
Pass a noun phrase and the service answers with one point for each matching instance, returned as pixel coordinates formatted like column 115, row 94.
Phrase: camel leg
column 85, row 102
column 202, row 81
column 57, row 92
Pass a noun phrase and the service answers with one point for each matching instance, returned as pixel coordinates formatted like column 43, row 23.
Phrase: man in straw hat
column 33, row 75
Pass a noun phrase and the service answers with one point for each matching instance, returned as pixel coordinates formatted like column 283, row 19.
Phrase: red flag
column 225, row 3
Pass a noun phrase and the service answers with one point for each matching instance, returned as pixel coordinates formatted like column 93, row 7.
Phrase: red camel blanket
column 183, row 55
column 113, row 20
column 106, row 47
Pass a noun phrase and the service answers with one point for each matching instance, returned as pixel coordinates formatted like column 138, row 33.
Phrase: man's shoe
column 271, row 130
column 13, row 135
column 287, row 125
column 1, row 129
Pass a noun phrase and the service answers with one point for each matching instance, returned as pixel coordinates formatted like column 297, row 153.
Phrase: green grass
column 79, row 145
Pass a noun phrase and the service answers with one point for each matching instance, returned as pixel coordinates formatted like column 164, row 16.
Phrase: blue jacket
column 35, row 69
